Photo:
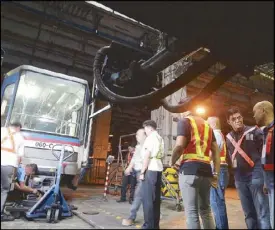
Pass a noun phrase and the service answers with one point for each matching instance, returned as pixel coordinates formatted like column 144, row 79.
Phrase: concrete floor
column 110, row 213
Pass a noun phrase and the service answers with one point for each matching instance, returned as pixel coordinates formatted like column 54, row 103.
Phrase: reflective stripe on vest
column 201, row 153
column 223, row 151
column 238, row 148
column 267, row 150
column 6, row 138
column 160, row 154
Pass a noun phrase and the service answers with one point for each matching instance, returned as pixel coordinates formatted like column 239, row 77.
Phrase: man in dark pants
column 217, row 199
column 152, row 153
column 264, row 116
column 128, row 179
column 244, row 145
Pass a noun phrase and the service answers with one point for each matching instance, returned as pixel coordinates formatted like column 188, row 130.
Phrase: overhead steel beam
column 50, row 31
column 96, row 19
column 38, row 33
column 137, row 23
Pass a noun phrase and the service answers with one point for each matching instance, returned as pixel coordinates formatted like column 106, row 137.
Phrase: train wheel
column 48, row 217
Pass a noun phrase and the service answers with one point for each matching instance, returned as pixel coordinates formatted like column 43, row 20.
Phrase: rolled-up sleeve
column 21, row 174
column 149, row 144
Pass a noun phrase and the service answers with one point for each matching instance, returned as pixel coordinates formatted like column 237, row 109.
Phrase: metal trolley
column 174, row 193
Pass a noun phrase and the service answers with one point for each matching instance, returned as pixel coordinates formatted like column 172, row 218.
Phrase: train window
column 6, row 103
column 49, row 104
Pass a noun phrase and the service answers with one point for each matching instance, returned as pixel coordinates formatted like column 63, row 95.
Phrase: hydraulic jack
column 52, row 205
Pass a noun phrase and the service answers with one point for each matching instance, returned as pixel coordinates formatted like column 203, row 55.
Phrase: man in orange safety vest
column 195, row 139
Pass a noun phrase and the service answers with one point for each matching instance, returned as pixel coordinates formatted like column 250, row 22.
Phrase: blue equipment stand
column 52, row 205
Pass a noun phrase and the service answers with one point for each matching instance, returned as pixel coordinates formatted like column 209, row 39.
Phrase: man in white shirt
column 136, row 166
column 152, row 154
column 217, row 199
column 12, row 150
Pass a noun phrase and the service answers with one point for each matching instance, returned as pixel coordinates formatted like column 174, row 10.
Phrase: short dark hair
column 232, row 111
column 16, row 124
column 132, row 144
column 34, row 168
column 150, row 123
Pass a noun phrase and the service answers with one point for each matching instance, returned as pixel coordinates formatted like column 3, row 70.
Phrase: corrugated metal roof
column 71, row 8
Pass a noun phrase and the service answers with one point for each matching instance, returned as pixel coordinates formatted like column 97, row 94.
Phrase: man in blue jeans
column 244, row 146
column 136, row 165
column 264, row 116
column 217, row 199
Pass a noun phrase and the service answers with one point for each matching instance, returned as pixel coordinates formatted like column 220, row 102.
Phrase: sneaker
column 6, row 217
column 120, row 201
column 127, row 222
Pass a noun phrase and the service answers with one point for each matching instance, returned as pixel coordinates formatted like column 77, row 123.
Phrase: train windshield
column 49, row 104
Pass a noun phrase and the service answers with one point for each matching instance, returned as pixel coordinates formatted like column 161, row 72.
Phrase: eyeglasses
column 234, row 119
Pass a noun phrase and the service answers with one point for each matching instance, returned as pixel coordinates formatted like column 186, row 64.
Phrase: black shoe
column 7, row 218
column 144, row 226
column 131, row 201
column 73, row 207
column 71, row 186
column 120, row 201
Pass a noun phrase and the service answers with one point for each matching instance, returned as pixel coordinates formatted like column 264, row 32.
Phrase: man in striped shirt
column 128, row 179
